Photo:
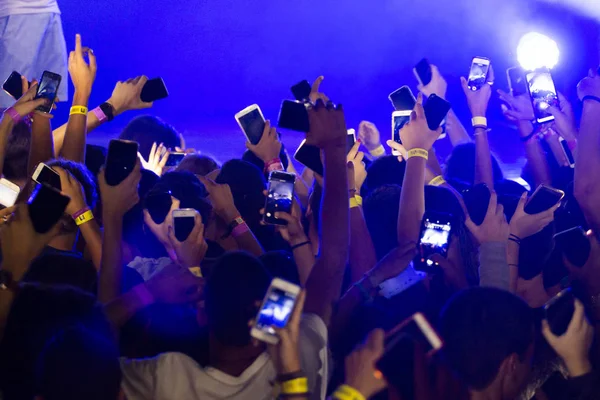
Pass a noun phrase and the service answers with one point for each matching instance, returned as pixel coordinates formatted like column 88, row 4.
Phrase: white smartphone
column 350, row 139
column 8, row 193
column 480, row 67
column 275, row 311
column 45, row 174
column 399, row 119
column 252, row 122
column 183, row 222
column 567, row 151
column 543, row 94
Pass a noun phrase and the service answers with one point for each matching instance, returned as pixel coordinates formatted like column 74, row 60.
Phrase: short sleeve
column 139, row 377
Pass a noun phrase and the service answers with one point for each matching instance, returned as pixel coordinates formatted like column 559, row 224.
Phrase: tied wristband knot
column 378, row 151
column 82, row 216
column 78, row 110
column 13, row 114
column 295, row 386
column 143, row 294
column 345, row 392
column 479, row 122
column 100, row 114
column 417, row 152
column 437, row 181
column 274, row 165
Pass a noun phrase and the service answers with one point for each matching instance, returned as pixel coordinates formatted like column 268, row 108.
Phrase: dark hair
column 79, row 363
column 281, row 264
column 481, row 327
column 148, row 129
column 83, row 176
column 381, row 215
column 198, row 164
column 95, row 156
column 17, row 152
column 62, row 269
column 133, row 220
column 383, row 171
column 460, row 164
column 236, row 282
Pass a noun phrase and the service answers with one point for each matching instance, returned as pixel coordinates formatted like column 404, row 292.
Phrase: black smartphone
column 280, row 194
column 403, row 99
column 543, row 199
column 434, row 238
column 120, row 160
column 559, row 311
column 184, row 220
column 574, row 245
column 567, row 151
column 310, row 157
column 12, row 85
column 517, row 81
column 174, row 159
column 436, row 110
column 301, row 90
column 46, row 206
column 293, row 115
column 478, row 73
column 477, row 200
column 423, row 72
column 158, row 206
column 154, row 89
column 543, row 94
column 350, row 140
column 48, row 88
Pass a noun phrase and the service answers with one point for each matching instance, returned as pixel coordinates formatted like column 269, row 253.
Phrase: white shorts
column 31, row 44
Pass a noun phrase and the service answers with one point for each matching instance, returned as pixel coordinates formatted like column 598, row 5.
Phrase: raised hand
column 72, row 189
column 523, row 225
column 478, row 100
column 397, row 147
column 564, row 119
column 494, row 227
column 293, row 232
column 416, row 133
column 360, row 172
column 327, row 125
column 437, row 85
column 519, row 107
column 369, row 135
column 286, row 353
column 156, row 160
column 175, row 285
column 126, row 95
column 221, row 199
column 82, row 73
column 589, row 86
column 117, row 200
column 269, row 146
column 26, row 104
column 192, row 250
column 314, row 91
column 361, row 373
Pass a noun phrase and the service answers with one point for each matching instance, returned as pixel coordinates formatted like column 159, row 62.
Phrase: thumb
column 522, row 201
column 553, row 110
column 375, row 341
column 171, row 235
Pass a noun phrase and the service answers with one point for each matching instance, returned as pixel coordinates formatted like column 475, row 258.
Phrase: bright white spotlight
column 537, row 51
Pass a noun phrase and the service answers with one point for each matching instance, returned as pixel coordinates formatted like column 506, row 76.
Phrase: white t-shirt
column 177, row 376
column 14, row 7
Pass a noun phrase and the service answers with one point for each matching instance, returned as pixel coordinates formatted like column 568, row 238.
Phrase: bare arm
column 534, row 153
column 455, row 129
column 6, row 125
column 93, row 240
column 58, row 135
column 41, row 149
column 412, row 201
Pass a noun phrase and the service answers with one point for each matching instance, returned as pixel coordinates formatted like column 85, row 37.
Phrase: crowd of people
column 114, row 306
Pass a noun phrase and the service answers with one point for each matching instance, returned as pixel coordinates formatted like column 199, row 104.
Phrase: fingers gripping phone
column 275, row 311
column 543, row 94
column 154, row 89
column 280, row 195
column 8, row 193
column 45, row 174
column 48, row 88
column 480, row 67
column 13, row 85
column 436, row 110
column 46, row 207
column 574, row 245
column 434, row 238
column 184, row 220
column 559, row 311
column 399, row 119
column 517, row 81
column 120, row 161
column 310, row 157
column 423, row 72
column 477, row 200
column 543, row 199
column 403, row 99
column 252, row 122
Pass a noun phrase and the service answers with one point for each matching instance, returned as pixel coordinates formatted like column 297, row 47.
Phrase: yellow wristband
column 345, row 392
column 479, row 122
column 78, row 110
column 358, row 199
column 85, row 217
column 378, row 151
column 418, row 153
column 353, row 202
column 295, row 386
column 437, row 181
column 196, row 271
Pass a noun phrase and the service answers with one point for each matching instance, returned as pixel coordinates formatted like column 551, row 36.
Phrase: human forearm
column 304, row 258
column 455, row 129
column 483, row 159
column 362, row 250
column 111, row 270
column 6, row 125
column 122, row 308
column 93, row 240
column 6, row 300
column 536, row 159
column 412, row 201
column 41, row 148
column 75, row 135
column 58, row 135
column 512, row 259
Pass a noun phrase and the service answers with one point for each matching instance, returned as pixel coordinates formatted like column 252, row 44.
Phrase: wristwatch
column 6, row 280
column 108, row 110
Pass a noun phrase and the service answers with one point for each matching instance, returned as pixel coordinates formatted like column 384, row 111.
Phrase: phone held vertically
column 403, row 99
column 275, row 311
column 423, row 72
column 45, row 174
column 154, row 89
column 478, row 73
column 48, row 88
column 399, row 119
column 517, row 81
column 301, row 90
column 252, row 122
column 544, row 198
column 46, row 206
column 280, row 194
column 477, row 200
column 559, row 311
column 436, row 110
column 309, row 156
column 8, row 193
column 434, row 238
column 120, row 161
column 183, row 222
column 567, row 151
column 294, row 116
column 543, row 94
column 13, row 86
column 350, row 139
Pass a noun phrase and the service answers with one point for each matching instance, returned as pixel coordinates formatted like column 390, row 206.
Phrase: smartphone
column 120, row 160
column 567, row 151
column 434, row 238
column 423, row 72
column 543, row 199
column 310, row 157
column 280, row 194
column 543, row 94
column 8, row 193
column 477, row 200
column 403, row 99
column 480, row 67
column 174, row 159
column 574, row 245
column 12, row 85
column 293, row 115
column 301, row 90
column 559, row 311
column 183, row 222
column 154, row 89
column 46, row 206
column 516, row 81
column 48, row 88
column 436, row 110
column 45, row 174
column 350, row 139
column 252, row 122
column 158, row 206
column 275, row 311
column 399, row 119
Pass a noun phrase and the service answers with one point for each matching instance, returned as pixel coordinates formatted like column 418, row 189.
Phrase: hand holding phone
column 559, row 311
column 310, row 157
column 45, row 174
column 280, row 195
column 120, row 161
column 524, row 224
column 434, row 238
column 46, row 206
column 399, row 119
column 478, row 74
column 436, row 110
column 544, row 198
column 423, row 72
column 402, row 99
column 543, row 94
column 478, row 100
column 47, row 89
column 477, row 200
column 517, row 81
column 252, row 123
column 154, row 89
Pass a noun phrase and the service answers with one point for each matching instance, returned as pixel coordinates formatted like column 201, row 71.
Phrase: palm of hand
column 368, row 134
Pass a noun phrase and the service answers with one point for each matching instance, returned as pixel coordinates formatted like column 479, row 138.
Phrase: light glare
column 537, row 51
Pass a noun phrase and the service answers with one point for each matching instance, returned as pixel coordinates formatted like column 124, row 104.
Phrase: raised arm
column 83, row 76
